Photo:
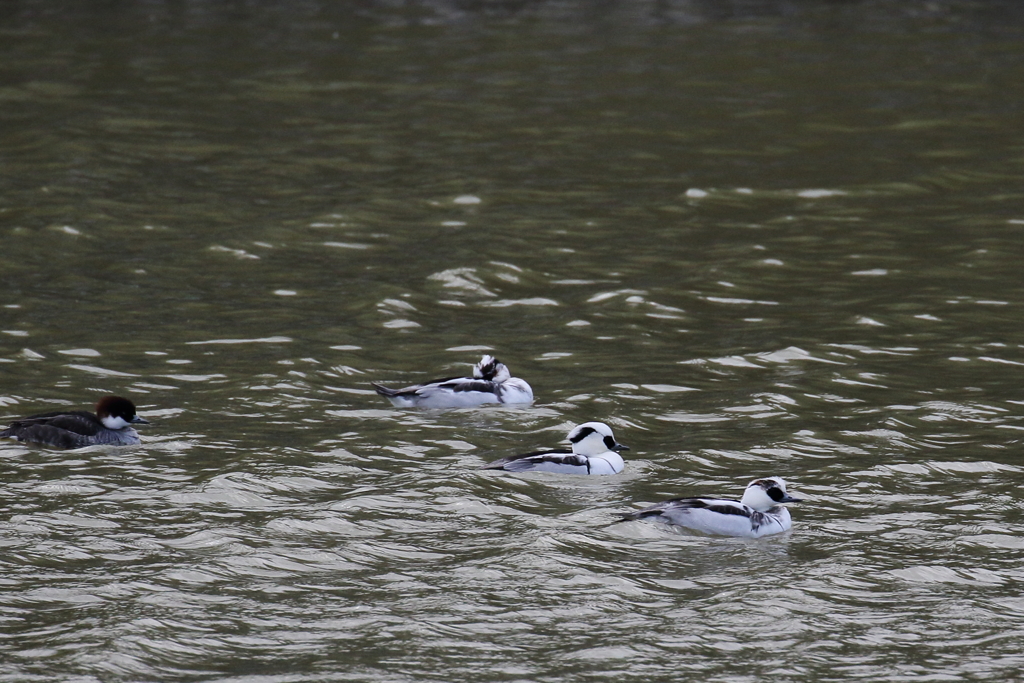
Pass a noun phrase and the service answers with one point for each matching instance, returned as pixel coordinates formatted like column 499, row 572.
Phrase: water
column 755, row 238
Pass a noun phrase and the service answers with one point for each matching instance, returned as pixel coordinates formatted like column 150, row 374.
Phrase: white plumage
column 491, row 383
column 594, row 451
column 759, row 513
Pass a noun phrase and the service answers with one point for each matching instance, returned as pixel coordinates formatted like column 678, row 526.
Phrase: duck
column 491, row 383
column 594, row 451
column 110, row 424
column 760, row 512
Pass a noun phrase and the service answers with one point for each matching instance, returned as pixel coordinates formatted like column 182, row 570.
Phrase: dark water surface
column 755, row 238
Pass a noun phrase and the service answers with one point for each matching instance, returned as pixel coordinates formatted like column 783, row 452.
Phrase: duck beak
column 620, row 447
column 791, row 499
column 139, row 421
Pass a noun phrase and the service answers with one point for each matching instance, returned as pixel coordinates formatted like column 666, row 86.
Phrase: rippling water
column 755, row 238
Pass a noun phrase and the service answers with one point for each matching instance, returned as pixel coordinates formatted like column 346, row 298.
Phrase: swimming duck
column 491, row 383
column 759, row 512
column 594, row 451
column 111, row 424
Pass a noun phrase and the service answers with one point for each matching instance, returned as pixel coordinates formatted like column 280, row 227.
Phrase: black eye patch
column 583, row 433
column 775, row 493
column 609, row 443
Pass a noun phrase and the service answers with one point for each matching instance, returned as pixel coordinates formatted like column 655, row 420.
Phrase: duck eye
column 609, row 442
column 775, row 493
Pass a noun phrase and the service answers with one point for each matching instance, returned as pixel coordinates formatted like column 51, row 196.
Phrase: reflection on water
column 754, row 238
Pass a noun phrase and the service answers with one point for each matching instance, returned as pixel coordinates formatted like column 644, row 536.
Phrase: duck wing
column 717, row 516
column 61, row 430
column 412, row 389
column 464, row 384
column 78, row 422
column 681, row 505
column 526, row 461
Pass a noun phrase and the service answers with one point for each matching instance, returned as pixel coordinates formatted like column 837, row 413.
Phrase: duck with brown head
column 110, row 424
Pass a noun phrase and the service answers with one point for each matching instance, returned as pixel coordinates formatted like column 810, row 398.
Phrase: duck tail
column 385, row 391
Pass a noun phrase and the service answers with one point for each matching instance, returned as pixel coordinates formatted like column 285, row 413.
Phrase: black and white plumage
column 111, row 424
column 594, row 451
column 491, row 383
column 759, row 513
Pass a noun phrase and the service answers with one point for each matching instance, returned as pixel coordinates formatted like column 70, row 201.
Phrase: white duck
column 594, row 451
column 491, row 383
column 759, row 513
